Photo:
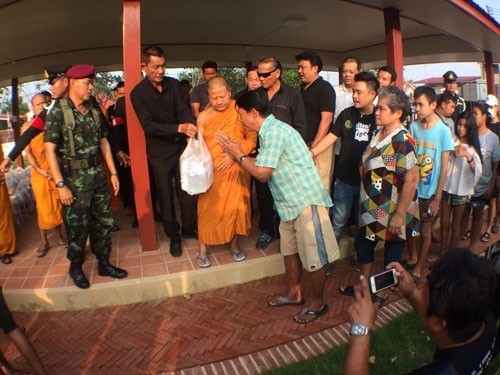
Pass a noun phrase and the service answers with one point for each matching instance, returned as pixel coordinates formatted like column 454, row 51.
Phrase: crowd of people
column 319, row 159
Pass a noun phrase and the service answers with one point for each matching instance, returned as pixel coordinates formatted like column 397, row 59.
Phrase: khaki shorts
column 324, row 165
column 311, row 236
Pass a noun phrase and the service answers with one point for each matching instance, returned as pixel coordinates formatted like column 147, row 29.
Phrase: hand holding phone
column 383, row 280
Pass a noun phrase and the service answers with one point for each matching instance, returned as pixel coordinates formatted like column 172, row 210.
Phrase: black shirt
column 318, row 97
column 473, row 358
column 287, row 106
column 160, row 113
column 355, row 131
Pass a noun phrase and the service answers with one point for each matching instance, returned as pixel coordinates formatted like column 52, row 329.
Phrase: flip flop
column 6, row 259
column 347, row 290
column 314, row 313
column 202, row 262
column 238, row 256
column 495, row 228
column 42, row 252
column 486, row 237
column 380, row 300
column 407, row 266
column 416, row 279
column 284, row 301
column 466, row 235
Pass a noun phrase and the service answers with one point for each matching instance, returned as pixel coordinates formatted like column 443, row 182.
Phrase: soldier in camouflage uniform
column 74, row 139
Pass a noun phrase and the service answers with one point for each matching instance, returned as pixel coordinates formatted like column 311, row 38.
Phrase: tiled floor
column 29, row 272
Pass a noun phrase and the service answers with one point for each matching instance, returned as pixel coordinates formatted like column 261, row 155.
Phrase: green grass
column 398, row 347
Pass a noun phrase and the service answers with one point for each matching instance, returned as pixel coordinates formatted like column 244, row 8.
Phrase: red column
column 394, row 42
column 489, row 69
column 140, row 175
column 16, row 124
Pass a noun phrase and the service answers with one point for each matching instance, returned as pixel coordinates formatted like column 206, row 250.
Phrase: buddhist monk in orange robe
column 48, row 206
column 7, row 234
column 224, row 211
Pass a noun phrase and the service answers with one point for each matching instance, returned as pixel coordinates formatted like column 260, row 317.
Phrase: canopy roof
column 35, row 33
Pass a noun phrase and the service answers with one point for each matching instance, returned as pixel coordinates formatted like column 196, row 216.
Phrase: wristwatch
column 241, row 159
column 60, row 184
column 360, row 330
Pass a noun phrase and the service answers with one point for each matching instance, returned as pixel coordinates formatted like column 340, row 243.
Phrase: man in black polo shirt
column 166, row 120
column 319, row 101
column 354, row 126
column 287, row 106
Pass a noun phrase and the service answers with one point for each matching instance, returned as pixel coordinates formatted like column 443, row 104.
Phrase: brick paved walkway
column 224, row 331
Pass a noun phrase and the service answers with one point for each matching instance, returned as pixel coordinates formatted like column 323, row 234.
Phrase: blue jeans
column 344, row 197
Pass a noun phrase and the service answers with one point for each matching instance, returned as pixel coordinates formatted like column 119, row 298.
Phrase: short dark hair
column 256, row 99
column 209, row 64
column 391, row 71
column 184, row 82
column 446, row 97
column 271, row 59
column 312, row 56
column 396, row 99
column 253, row 68
column 119, row 85
column 151, row 51
column 370, row 80
column 351, row 59
column 483, row 107
column 428, row 91
column 461, row 290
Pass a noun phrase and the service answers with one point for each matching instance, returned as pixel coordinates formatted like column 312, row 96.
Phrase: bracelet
column 114, row 174
column 240, row 160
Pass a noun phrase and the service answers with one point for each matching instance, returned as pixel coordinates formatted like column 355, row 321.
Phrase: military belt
column 83, row 163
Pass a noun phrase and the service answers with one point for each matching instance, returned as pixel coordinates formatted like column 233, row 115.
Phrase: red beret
column 81, row 71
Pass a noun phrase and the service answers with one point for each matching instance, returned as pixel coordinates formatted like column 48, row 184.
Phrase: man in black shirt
column 166, row 120
column 287, row 106
column 354, row 126
column 252, row 80
column 451, row 85
column 319, row 101
column 453, row 308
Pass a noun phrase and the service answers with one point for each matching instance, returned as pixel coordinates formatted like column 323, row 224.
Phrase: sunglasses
column 267, row 74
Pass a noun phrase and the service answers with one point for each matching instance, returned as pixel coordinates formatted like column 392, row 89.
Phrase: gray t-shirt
column 200, row 95
column 490, row 149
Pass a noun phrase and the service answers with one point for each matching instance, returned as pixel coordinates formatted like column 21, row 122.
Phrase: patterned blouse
column 384, row 165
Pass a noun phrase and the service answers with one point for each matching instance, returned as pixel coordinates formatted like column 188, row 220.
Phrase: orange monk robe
column 224, row 210
column 48, row 206
column 7, row 234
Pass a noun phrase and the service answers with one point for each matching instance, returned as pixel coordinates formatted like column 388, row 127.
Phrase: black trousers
column 269, row 219
column 165, row 166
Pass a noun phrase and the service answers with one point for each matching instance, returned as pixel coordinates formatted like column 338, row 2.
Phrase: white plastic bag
column 197, row 167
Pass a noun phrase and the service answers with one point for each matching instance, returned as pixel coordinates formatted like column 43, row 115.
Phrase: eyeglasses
column 267, row 74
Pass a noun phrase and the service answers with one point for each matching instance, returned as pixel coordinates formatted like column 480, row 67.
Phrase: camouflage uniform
column 90, row 214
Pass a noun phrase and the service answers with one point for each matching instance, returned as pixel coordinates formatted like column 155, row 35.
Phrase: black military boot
column 105, row 268
column 79, row 278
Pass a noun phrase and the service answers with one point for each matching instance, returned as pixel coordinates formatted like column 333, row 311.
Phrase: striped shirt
column 294, row 183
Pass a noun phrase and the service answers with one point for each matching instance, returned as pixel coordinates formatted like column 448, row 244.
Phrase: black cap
column 53, row 72
column 450, row 76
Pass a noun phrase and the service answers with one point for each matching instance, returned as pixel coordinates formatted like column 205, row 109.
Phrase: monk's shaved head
column 218, row 83
column 37, row 98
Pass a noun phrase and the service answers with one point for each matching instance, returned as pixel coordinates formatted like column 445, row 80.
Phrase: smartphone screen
column 383, row 280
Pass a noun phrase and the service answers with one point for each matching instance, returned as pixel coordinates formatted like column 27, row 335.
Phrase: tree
column 291, row 78
column 235, row 77
column 103, row 85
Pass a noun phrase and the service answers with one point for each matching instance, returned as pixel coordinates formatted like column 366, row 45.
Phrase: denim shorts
column 478, row 203
column 455, row 200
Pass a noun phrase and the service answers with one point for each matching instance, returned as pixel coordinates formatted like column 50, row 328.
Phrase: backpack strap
column 69, row 123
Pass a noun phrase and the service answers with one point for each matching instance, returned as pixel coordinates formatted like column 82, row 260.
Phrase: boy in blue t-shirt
column 433, row 146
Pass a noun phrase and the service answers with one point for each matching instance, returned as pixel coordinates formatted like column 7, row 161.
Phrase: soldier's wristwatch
column 360, row 330
column 60, row 184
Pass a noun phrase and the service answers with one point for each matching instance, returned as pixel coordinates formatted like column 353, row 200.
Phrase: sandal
column 408, row 266
column 347, row 290
column 486, row 237
column 416, row 279
column 380, row 300
column 6, row 259
column 314, row 314
column 495, row 228
column 466, row 235
column 42, row 251
column 238, row 256
column 282, row 300
column 202, row 262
